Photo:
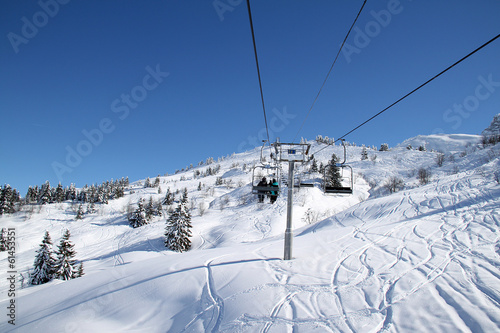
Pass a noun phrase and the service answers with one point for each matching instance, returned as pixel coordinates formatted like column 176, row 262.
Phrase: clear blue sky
column 158, row 85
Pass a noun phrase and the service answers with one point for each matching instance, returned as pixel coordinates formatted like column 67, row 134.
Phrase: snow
column 422, row 259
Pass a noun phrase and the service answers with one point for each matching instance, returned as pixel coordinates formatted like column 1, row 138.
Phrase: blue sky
column 94, row 90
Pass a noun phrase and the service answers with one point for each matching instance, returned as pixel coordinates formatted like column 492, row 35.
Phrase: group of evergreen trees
column 327, row 140
column 178, row 224
column 51, row 265
column 8, row 199
column 208, row 172
column 331, row 171
column 46, row 194
column 156, row 182
column 145, row 212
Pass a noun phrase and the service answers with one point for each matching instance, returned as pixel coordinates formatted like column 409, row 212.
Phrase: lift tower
column 291, row 153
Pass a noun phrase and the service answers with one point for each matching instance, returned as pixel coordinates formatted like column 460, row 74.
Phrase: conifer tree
column 169, row 198
column 147, row 183
column 79, row 212
column 43, row 267
column 3, row 201
column 30, row 197
column 384, row 147
column 184, row 198
column 45, row 195
column 364, row 154
column 59, row 194
column 314, row 166
column 178, row 228
column 3, row 241
column 80, row 270
column 158, row 209
column 138, row 218
column 71, row 193
column 65, row 267
column 150, row 210
column 332, row 173
column 157, row 181
column 8, row 197
column 91, row 208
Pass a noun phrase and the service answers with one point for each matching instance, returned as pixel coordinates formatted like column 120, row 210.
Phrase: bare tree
column 440, row 159
column 394, row 184
column 424, row 176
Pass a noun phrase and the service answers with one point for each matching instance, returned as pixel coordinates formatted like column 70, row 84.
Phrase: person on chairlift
column 274, row 194
column 263, row 183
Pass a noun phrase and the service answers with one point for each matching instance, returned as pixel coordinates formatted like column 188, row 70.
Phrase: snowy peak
column 494, row 128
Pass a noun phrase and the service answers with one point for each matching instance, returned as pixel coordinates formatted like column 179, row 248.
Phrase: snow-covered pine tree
column 138, row 218
column 71, row 193
column 158, row 209
column 80, row 272
column 169, row 198
column 184, row 198
column 364, row 154
column 3, row 241
column 178, row 228
column 147, row 183
column 45, row 195
column 79, row 212
column 150, row 209
column 65, row 267
column 91, row 208
column 157, row 181
column 44, row 265
column 59, row 194
column 3, row 200
column 384, row 147
column 314, row 166
column 7, row 200
column 332, row 173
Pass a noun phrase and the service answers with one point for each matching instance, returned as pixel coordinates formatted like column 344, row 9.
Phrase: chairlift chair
column 269, row 172
column 346, row 177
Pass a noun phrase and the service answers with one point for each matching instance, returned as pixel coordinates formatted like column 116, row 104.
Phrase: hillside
column 425, row 258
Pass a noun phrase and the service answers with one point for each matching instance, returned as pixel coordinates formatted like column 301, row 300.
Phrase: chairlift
column 346, row 177
column 265, row 171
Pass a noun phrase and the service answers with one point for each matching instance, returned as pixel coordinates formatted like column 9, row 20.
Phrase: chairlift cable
column 414, row 90
column 329, row 71
column 258, row 70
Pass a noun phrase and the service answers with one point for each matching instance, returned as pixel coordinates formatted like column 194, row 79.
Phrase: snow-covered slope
column 424, row 259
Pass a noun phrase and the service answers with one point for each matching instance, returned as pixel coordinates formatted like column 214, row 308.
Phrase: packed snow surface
column 423, row 259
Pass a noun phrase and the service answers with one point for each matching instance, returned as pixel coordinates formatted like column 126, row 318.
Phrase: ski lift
column 268, row 171
column 346, row 174
column 265, row 171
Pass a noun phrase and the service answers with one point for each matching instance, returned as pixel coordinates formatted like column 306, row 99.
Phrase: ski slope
column 424, row 259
